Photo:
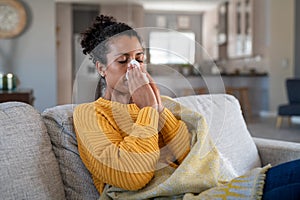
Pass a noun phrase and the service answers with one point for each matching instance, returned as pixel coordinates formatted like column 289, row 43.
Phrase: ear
column 100, row 68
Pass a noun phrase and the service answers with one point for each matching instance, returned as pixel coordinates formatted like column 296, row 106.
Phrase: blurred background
column 251, row 45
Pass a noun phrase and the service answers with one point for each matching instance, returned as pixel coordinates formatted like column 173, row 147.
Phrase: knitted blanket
column 204, row 173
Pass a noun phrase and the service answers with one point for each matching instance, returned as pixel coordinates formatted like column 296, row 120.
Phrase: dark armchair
column 293, row 106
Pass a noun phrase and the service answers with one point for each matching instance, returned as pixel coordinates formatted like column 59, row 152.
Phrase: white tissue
column 135, row 64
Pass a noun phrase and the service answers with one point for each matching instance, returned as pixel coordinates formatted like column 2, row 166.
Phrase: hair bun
column 104, row 21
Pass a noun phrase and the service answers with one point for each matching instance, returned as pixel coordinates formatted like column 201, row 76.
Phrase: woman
column 128, row 134
column 130, row 113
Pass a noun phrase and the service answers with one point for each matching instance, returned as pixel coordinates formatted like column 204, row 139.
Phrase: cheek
column 114, row 76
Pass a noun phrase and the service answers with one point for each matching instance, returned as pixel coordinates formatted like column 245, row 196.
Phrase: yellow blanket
column 202, row 175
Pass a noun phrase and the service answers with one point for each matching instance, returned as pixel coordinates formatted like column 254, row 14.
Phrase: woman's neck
column 118, row 97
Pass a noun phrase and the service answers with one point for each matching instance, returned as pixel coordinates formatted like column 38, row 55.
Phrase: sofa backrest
column 28, row 167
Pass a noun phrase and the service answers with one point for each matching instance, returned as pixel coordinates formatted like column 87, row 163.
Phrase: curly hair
column 95, row 42
column 95, row 39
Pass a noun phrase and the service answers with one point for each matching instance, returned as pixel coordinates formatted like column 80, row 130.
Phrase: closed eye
column 126, row 61
column 122, row 62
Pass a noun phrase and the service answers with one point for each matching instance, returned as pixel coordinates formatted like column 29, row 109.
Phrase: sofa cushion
column 28, row 167
column 227, row 128
column 77, row 180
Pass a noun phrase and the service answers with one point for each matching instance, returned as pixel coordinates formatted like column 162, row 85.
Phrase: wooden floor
column 266, row 128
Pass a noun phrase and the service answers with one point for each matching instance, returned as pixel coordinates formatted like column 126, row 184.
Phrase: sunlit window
column 172, row 47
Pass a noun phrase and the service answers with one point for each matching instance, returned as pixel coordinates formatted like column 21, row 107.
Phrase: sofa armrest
column 275, row 152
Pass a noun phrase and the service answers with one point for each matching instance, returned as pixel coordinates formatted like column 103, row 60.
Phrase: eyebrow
column 127, row 54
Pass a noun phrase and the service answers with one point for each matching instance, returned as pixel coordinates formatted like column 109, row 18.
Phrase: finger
column 140, row 75
column 149, row 77
column 136, row 79
column 155, row 90
column 143, row 67
column 144, row 97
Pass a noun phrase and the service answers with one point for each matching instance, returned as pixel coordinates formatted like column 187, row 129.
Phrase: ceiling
column 160, row 5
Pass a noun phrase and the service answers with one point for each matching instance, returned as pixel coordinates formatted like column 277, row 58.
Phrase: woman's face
column 122, row 50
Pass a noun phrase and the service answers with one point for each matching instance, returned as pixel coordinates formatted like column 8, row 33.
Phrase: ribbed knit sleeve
column 114, row 148
column 175, row 134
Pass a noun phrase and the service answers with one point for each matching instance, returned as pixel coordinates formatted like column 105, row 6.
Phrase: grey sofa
column 39, row 157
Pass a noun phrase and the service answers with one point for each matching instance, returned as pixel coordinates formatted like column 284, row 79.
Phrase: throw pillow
column 77, row 180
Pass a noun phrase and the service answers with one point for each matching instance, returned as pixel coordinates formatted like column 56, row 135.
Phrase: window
column 172, row 47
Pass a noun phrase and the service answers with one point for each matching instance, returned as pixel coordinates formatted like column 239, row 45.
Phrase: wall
column 297, row 39
column 128, row 13
column 281, row 50
column 32, row 55
column 64, row 52
column 210, row 20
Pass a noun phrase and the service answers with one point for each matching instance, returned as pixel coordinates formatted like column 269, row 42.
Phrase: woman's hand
column 156, row 92
column 141, row 91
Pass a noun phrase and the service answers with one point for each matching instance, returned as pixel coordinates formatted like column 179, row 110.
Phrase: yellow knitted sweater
column 122, row 145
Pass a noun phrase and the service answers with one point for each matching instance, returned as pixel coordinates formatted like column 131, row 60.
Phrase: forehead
column 124, row 44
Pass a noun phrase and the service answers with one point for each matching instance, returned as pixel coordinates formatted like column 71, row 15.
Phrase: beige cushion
column 227, row 128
